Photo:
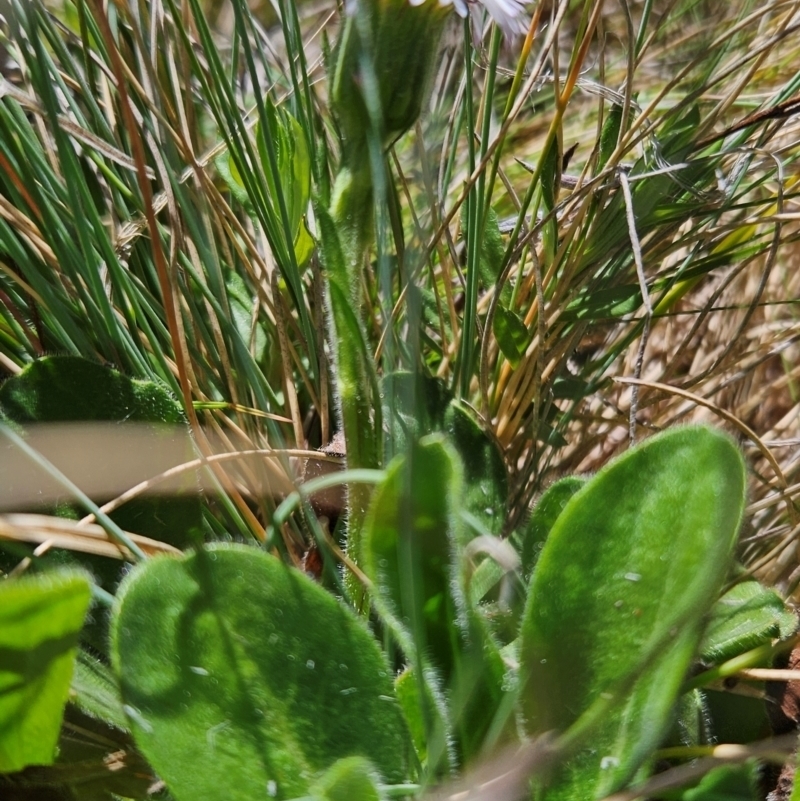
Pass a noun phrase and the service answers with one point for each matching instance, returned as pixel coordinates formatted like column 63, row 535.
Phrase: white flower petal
column 510, row 15
column 461, row 7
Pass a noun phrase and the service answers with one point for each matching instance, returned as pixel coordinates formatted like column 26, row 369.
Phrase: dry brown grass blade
column 71, row 535
column 81, row 135
column 768, row 674
column 777, row 750
column 503, row 777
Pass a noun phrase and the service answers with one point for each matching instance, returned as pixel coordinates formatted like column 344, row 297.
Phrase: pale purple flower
column 510, row 15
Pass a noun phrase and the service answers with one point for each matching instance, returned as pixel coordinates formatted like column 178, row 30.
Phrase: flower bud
column 384, row 58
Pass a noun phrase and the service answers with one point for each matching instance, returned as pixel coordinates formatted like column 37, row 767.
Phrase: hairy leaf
column 485, row 478
column 726, row 783
column 747, row 616
column 67, row 388
column 618, row 598
column 412, row 550
column 545, row 514
column 94, row 691
column 427, row 719
column 409, row 536
column 233, row 665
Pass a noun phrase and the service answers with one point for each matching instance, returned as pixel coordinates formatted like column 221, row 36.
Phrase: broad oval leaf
column 40, row 620
column 233, row 665
column 618, row 597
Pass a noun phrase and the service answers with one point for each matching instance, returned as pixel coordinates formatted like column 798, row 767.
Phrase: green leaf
column 729, row 717
column 494, row 588
column 304, row 244
column 512, row 335
column 492, row 253
column 485, row 477
column 571, row 388
column 94, row 691
column 545, row 513
column 356, row 376
column 747, row 616
column 414, row 404
column 406, row 688
column 411, row 546
column 550, row 183
column 229, row 173
column 241, row 302
column 618, row 596
column 726, row 783
column 68, row 388
column 552, row 436
column 486, row 577
column 293, row 181
column 409, row 535
column 40, row 620
column 349, row 779
column 479, row 694
column 418, row 404
column 425, row 720
column 691, row 720
column 609, row 135
column 233, row 665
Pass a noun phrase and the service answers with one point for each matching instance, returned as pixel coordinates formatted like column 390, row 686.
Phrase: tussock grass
column 121, row 242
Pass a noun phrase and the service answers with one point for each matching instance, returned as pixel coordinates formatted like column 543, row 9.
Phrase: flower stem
column 347, row 231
